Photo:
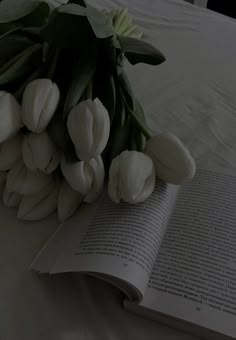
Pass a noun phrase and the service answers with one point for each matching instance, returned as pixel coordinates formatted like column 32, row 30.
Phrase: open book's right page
column 194, row 277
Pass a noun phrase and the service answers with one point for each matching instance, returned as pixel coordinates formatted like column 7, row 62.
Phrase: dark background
column 227, row 7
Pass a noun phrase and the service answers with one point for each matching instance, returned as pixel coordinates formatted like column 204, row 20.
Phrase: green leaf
column 139, row 118
column 73, row 9
column 82, row 73
column 126, row 90
column 11, row 45
column 20, row 64
column 68, row 31
column 137, row 139
column 105, row 90
column 120, row 139
column 6, row 27
column 139, row 51
column 36, row 18
column 9, row 32
column 100, row 23
column 120, row 113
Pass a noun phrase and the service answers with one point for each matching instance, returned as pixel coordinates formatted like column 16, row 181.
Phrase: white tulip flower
column 131, row 177
column 97, row 172
column 40, row 205
column 68, row 202
column 26, row 182
column 10, row 152
column 10, row 116
column 39, row 152
column 89, row 128
column 39, row 103
column 85, row 177
column 11, row 199
column 172, row 160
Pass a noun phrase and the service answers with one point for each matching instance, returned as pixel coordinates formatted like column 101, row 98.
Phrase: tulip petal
column 69, row 201
column 39, row 152
column 78, row 175
column 137, row 167
column 39, row 206
column 131, row 177
column 28, row 154
column 26, row 182
column 10, row 152
column 10, row 116
column 97, row 167
column 147, row 188
column 11, row 199
column 39, row 103
column 172, row 160
column 88, row 125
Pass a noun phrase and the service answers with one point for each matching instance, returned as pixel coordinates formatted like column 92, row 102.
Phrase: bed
column 192, row 95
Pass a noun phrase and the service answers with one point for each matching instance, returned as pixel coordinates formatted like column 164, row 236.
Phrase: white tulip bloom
column 11, row 199
column 10, row 116
column 97, row 172
column 85, row 177
column 39, row 152
column 39, row 103
column 10, row 152
column 89, row 128
column 131, row 177
column 68, row 202
column 40, row 205
column 172, row 160
column 26, row 182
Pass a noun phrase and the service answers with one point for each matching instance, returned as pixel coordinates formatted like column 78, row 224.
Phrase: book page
column 121, row 240
column 194, row 277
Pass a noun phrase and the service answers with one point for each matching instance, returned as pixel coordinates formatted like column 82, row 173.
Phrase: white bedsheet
column 193, row 95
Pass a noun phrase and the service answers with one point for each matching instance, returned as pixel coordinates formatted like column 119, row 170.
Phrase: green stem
column 13, row 30
column 53, row 65
column 89, row 91
column 141, row 126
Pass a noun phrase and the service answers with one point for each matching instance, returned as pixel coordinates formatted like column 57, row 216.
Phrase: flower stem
column 89, row 90
column 141, row 126
column 53, row 65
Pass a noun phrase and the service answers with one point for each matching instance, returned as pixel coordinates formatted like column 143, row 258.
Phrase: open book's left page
column 120, row 241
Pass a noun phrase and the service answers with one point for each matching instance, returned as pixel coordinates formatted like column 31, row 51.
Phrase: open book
column 173, row 256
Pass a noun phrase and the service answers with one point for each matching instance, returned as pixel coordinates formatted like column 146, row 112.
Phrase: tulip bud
column 131, row 177
column 85, row 177
column 10, row 152
column 40, row 205
column 172, row 160
column 10, row 116
column 39, row 103
column 89, row 127
column 26, row 182
column 39, row 152
column 11, row 199
column 68, row 201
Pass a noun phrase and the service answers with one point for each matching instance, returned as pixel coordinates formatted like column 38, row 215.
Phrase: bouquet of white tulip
column 69, row 118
